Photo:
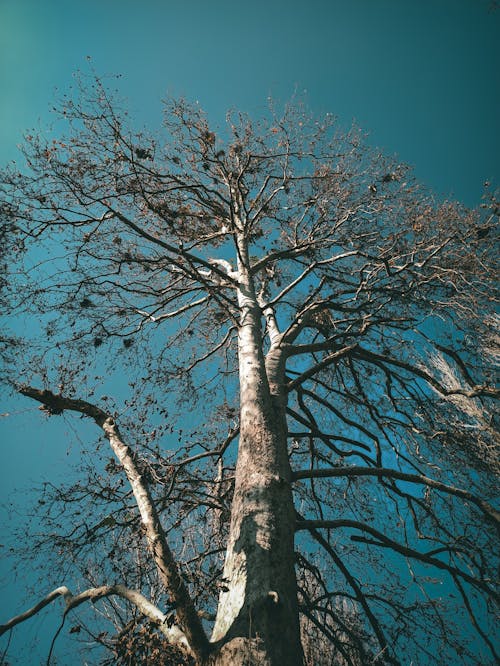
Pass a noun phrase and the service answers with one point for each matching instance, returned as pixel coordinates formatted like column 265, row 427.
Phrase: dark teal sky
column 421, row 76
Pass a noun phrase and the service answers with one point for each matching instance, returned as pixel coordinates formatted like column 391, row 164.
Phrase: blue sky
column 422, row 78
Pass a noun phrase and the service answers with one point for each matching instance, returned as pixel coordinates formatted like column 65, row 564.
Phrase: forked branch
column 157, row 542
column 382, row 540
column 172, row 633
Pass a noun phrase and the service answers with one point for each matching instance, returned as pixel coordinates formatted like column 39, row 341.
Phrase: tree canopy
column 293, row 336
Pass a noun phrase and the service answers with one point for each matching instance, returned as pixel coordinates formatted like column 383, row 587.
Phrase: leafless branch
column 490, row 512
column 157, row 541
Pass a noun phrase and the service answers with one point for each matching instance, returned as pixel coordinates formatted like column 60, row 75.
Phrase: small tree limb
column 386, row 542
column 474, row 392
column 328, row 360
column 490, row 512
column 172, row 633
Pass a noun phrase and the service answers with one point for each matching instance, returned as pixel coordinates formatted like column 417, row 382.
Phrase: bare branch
column 476, row 391
column 490, row 512
column 321, row 365
column 157, row 541
column 385, row 541
column 353, row 583
column 49, row 598
column 172, row 633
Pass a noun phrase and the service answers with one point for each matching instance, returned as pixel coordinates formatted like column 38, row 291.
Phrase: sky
column 421, row 78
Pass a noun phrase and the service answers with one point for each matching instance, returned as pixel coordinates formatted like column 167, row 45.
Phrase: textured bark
column 257, row 619
column 241, row 652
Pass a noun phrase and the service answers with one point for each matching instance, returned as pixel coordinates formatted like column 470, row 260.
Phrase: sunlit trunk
column 257, row 619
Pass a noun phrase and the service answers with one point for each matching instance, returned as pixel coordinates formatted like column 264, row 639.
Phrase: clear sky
column 421, row 77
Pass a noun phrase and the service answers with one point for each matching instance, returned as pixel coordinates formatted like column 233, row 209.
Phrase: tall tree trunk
column 257, row 619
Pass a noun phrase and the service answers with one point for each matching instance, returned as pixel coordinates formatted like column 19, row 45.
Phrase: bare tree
column 316, row 330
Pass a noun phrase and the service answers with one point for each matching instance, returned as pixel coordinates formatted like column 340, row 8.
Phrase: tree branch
column 351, row 580
column 476, row 391
column 328, row 360
column 175, row 250
column 490, row 512
column 386, row 542
column 172, row 633
column 155, row 535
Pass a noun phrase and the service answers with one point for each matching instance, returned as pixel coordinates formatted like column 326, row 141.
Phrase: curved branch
column 359, row 595
column 386, row 542
column 49, row 598
column 490, row 512
column 155, row 534
column 213, row 350
column 475, row 392
column 287, row 253
column 328, row 439
column 309, row 269
column 175, row 250
column 174, row 313
column 219, row 452
column 172, row 633
column 328, row 360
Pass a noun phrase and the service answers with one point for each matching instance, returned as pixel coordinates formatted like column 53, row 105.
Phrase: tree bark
column 257, row 619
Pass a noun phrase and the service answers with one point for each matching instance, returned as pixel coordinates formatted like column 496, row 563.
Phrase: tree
column 326, row 326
